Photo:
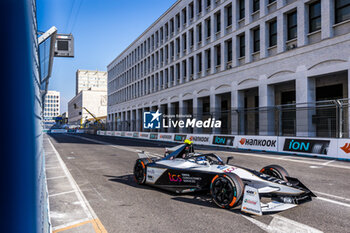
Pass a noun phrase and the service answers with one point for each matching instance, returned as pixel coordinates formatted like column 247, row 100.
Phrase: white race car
column 182, row 170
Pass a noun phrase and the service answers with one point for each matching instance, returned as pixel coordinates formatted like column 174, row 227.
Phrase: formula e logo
column 151, row 120
column 346, row 148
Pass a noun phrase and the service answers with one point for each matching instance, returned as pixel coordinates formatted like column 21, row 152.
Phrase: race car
column 182, row 170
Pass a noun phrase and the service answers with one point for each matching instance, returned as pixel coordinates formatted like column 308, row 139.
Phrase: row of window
column 52, row 97
column 51, row 100
column 342, row 8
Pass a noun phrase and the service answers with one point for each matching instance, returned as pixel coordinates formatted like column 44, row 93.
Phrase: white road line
column 70, row 224
column 331, row 195
column 333, row 201
column 62, row 193
column 282, row 224
column 47, row 168
column 328, row 162
column 56, row 177
column 99, row 194
column 83, row 201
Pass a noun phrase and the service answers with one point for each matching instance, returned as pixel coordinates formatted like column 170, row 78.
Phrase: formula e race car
column 182, row 170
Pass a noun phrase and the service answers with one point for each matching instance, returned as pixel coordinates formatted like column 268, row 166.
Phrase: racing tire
column 226, row 190
column 140, row 172
column 275, row 171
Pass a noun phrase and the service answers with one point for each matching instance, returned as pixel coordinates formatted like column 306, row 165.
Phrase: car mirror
column 228, row 159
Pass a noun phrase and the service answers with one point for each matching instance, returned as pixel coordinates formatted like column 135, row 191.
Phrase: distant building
column 94, row 100
column 51, row 107
column 86, row 79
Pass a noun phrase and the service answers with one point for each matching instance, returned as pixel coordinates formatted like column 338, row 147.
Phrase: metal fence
column 317, row 119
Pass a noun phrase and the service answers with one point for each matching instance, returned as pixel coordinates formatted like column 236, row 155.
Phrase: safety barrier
column 333, row 148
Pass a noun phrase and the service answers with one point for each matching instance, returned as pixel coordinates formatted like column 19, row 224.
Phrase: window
column 184, row 16
column 199, row 5
column 256, row 38
column 271, row 1
column 178, row 21
column 292, row 25
column 229, row 50
column 191, row 37
column 184, row 41
column 208, row 2
column 208, row 54
column 241, row 45
column 241, row 9
column 256, row 5
column 342, row 10
column 172, row 26
column 228, row 10
column 199, row 61
column 315, row 16
column 199, row 32
column 218, row 54
column 218, row 21
column 207, row 22
column 191, row 10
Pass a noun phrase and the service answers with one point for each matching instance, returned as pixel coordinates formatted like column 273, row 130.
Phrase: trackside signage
column 180, row 137
column 256, row 143
column 343, row 148
column 153, row 136
column 199, row 138
column 223, row 140
column 306, row 146
column 165, row 137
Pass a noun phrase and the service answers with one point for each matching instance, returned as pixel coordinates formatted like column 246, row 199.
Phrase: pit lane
column 102, row 168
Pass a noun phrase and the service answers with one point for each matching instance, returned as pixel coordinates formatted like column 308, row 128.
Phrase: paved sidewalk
column 69, row 209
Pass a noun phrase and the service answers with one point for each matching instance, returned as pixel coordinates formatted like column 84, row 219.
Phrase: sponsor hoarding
column 223, row 140
column 58, row 131
column 128, row 134
column 144, row 135
column 166, row 136
column 180, row 137
column 109, row 133
column 264, row 143
column 102, row 132
column 309, row 146
column 203, row 139
column 343, row 148
column 153, row 136
column 117, row 133
column 135, row 134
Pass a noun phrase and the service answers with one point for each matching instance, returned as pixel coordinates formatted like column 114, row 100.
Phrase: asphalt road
column 102, row 167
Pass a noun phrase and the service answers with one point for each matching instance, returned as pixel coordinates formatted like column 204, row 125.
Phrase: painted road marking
column 56, row 177
column 62, row 193
column 331, row 195
column 282, row 224
column 333, row 201
column 83, row 201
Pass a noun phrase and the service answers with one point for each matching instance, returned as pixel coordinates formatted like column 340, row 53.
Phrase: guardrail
column 332, row 148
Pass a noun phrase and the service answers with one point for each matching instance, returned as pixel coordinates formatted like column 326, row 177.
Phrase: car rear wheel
column 275, row 171
column 226, row 190
column 140, row 172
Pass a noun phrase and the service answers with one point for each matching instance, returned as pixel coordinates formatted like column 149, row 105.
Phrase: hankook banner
column 256, row 143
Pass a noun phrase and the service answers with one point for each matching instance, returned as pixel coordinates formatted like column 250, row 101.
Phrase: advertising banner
column 223, row 140
column 309, row 146
column 153, row 136
column 343, row 148
column 265, row 143
column 144, row 135
column 58, row 131
column 203, row 139
column 80, row 131
column 165, row 136
column 135, row 134
column 180, row 137
column 117, row 133
column 109, row 133
column 129, row 134
column 102, row 132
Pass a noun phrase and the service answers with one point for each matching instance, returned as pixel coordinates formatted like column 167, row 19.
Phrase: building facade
column 93, row 101
column 51, row 107
column 265, row 67
column 86, row 79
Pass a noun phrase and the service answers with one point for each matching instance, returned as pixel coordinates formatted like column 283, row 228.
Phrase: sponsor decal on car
column 153, row 136
column 306, row 146
column 190, row 179
column 174, row 177
column 223, row 140
column 179, row 137
column 229, row 170
column 250, row 201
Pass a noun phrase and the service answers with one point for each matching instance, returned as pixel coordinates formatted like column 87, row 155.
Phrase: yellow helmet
column 187, row 142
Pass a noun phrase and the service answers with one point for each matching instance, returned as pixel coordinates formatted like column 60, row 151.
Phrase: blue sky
column 102, row 29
